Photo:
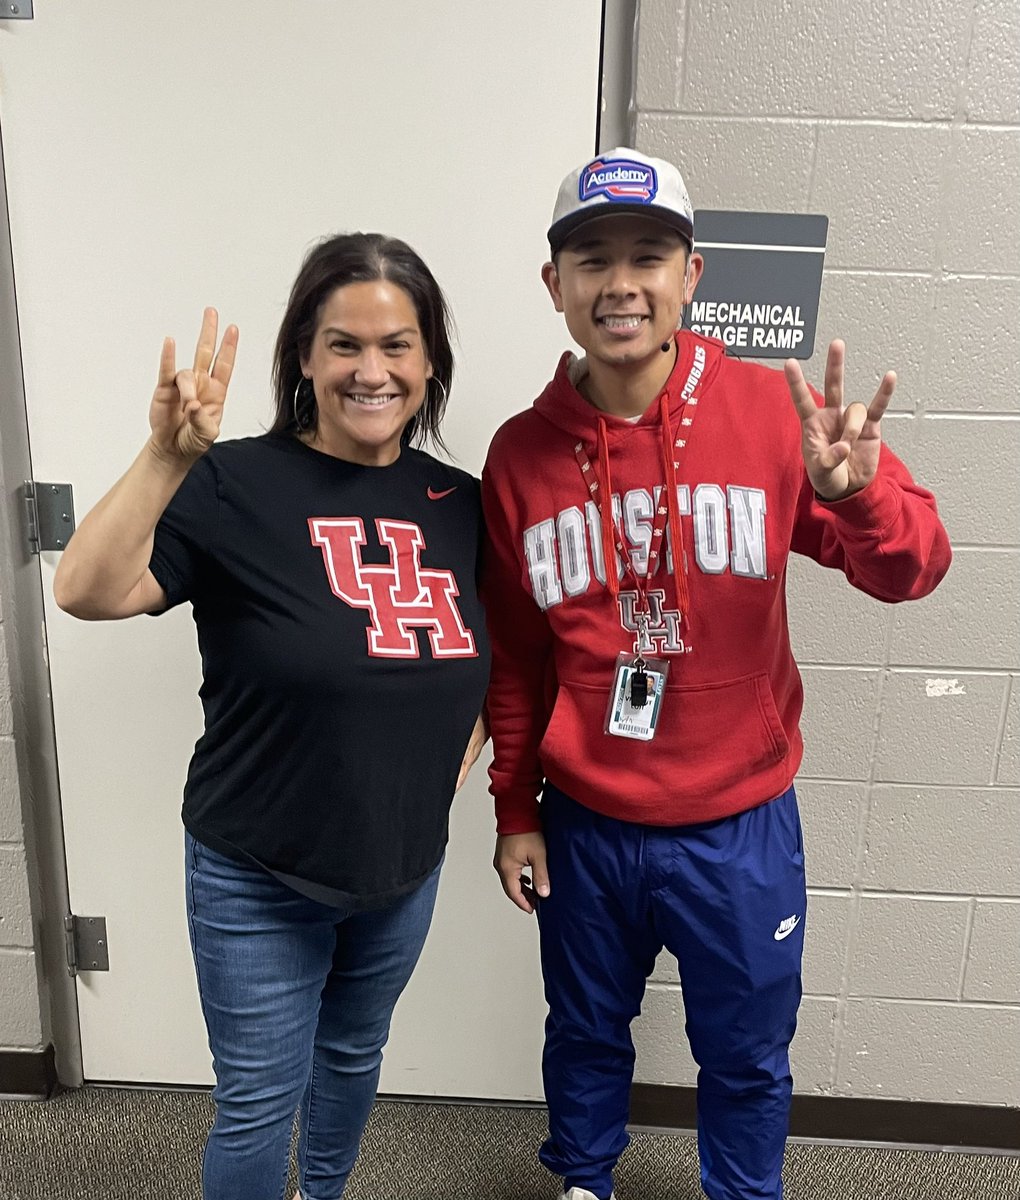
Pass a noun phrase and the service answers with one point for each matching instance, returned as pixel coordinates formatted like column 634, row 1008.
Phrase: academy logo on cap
column 621, row 181
column 618, row 179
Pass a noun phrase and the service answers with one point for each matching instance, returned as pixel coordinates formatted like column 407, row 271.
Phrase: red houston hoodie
column 728, row 736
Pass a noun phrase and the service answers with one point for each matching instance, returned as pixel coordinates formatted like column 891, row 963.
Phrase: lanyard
column 613, row 540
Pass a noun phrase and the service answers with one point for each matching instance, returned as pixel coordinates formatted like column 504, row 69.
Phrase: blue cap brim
column 565, row 226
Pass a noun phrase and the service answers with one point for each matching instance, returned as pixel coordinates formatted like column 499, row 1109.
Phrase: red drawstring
column 676, row 533
column 608, row 525
column 608, row 540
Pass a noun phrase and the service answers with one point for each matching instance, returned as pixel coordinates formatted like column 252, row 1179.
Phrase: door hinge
column 16, row 10
column 49, row 515
column 86, row 945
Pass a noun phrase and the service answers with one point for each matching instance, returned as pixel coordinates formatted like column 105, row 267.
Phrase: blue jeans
column 297, row 998
column 727, row 898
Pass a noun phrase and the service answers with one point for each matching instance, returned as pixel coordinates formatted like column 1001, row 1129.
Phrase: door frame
column 34, row 737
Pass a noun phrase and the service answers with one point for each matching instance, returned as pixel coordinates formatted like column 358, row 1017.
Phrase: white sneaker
column 581, row 1194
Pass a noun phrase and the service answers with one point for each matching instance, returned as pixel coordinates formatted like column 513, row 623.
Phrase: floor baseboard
column 31, row 1074
column 851, row 1119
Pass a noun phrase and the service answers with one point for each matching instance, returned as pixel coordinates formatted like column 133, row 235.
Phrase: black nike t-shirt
column 344, row 658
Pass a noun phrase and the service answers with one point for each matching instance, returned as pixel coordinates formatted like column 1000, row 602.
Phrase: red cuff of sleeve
column 876, row 506
column 517, row 812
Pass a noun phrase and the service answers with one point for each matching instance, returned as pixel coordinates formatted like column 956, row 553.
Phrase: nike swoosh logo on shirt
column 439, row 495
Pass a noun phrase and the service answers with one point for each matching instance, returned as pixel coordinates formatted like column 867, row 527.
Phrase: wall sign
column 763, row 275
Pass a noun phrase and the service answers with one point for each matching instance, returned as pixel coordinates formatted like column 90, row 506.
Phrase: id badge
column 639, row 685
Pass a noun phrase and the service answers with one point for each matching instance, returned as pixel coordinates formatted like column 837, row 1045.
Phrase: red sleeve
column 887, row 538
column 521, row 639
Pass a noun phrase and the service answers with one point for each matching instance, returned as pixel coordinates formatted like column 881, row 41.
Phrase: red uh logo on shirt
column 401, row 597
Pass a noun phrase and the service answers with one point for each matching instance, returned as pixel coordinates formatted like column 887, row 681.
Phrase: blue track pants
column 727, row 898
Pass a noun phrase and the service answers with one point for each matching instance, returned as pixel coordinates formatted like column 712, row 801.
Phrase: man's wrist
column 842, row 496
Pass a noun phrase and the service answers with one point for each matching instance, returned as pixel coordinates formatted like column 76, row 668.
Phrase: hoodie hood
column 563, row 405
column 601, row 436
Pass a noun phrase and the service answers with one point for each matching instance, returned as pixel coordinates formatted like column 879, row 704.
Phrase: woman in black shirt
column 331, row 566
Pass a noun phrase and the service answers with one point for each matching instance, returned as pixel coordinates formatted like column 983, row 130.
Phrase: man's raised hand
column 840, row 445
column 187, row 406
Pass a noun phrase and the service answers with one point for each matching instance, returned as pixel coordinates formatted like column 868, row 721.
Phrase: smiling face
column 369, row 368
column 621, row 282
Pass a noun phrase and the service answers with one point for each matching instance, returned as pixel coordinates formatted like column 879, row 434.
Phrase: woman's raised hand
column 187, row 406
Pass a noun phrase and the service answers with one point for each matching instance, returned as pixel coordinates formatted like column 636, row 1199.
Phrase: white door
column 162, row 157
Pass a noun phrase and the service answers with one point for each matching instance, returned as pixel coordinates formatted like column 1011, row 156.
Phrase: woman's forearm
column 104, row 572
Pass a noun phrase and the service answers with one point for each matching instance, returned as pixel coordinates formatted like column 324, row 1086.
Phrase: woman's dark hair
column 360, row 258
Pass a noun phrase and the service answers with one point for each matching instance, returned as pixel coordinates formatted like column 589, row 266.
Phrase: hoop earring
column 307, row 424
column 439, row 384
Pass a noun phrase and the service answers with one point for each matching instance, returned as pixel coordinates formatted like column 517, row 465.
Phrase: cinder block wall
column 20, row 1000
column 900, row 123
column 23, row 1021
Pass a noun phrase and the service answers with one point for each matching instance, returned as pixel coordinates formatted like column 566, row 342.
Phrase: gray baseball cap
column 622, row 181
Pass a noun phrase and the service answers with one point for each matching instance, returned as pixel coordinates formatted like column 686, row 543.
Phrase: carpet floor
column 127, row 1144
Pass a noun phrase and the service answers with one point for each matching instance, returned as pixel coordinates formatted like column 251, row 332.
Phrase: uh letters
column 401, row 596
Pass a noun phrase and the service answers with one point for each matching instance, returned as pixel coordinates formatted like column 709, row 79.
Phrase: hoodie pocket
column 713, row 739
column 738, row 716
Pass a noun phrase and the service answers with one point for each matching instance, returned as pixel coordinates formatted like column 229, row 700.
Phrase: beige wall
column 899, row 122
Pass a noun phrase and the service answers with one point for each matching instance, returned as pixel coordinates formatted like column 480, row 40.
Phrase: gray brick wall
column 899, row 123
column 23, row 1023
column 20, row 1023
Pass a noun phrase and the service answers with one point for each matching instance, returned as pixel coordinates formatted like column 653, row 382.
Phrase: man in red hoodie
column 640, row 517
